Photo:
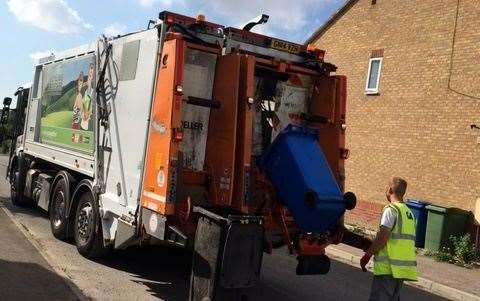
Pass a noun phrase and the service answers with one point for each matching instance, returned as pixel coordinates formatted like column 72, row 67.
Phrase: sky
column 31, row 29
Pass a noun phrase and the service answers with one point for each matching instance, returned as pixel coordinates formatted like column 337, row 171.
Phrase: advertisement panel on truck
column 66, row 104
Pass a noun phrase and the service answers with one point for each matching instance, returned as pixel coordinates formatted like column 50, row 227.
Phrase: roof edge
column 333, row 18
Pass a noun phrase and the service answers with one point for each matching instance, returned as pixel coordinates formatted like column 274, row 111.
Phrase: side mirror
column 7, row 101
column 5, row 110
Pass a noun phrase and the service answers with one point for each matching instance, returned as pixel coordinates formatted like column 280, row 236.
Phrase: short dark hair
column 398, row 186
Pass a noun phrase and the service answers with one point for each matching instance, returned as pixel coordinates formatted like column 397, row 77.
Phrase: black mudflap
column 313, row 265
column 227, row 257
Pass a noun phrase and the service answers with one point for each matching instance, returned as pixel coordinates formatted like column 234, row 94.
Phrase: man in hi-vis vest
column 393, row 247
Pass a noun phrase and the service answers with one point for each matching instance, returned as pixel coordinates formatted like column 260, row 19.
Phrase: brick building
column 413, row 69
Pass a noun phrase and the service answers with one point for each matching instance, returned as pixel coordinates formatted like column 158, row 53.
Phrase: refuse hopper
column 299, row 171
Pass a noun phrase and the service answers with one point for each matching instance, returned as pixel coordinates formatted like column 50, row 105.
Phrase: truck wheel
column 16, row 190
column 58, row 209
column 17, row 182
column 88, row 227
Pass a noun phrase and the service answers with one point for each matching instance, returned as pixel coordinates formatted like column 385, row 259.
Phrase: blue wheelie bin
column 420, row 213
column 299, row 171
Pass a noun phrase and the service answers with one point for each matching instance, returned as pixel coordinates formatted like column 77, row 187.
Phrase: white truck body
column 131, row 74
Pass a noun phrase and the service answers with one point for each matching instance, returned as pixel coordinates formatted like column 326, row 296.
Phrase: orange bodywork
column 161, row 161
column 221, row 141
column 243, row 156
column 230, row 178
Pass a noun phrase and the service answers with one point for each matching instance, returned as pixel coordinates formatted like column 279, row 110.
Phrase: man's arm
column 377, row 244
column 380, row 240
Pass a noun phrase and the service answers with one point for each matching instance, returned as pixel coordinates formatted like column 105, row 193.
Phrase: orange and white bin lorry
column 172, row 135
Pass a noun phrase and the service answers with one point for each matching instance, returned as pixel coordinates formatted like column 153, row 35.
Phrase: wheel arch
column 69, row 182
column 11, row 167
column 18, row 161
column 85, row 185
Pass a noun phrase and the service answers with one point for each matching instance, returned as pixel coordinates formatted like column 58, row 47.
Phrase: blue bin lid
column 417, row 203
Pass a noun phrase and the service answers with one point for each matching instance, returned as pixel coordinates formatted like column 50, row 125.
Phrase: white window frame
column 373, row 90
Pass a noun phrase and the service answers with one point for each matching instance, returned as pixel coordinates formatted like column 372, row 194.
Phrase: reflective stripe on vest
column 398, row 258
column 405, row 263
column 402, row 236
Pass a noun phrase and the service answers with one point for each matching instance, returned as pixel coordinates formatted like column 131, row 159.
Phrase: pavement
column 148, row 273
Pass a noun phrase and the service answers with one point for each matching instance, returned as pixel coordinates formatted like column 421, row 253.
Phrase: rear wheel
column 58, row 209
column 88, row 228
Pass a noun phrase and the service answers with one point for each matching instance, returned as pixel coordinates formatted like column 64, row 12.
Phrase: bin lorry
column 191, row 134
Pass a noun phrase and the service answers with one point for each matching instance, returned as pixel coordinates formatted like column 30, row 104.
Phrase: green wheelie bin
column 442, row 223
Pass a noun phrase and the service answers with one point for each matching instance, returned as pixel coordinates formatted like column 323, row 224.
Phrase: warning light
column 311, row 48
column 200, row 19
column 319, row 54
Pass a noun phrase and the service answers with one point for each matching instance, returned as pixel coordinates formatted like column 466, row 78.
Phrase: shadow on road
column 164, row 270
column 30, row 281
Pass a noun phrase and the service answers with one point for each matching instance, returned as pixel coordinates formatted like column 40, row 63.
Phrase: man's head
column 396, row 189
column 91, row 74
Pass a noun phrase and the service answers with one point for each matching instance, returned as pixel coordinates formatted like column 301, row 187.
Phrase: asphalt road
column 163, row 273
column 24, row 273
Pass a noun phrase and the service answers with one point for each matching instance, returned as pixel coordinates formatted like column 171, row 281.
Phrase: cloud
column 115, row 29
column 150, row 3
column 288, row 19
column 40, row 54
column 285, row 14
column 50, row 15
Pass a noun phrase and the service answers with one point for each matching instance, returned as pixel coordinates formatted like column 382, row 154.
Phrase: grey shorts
column 385, row 288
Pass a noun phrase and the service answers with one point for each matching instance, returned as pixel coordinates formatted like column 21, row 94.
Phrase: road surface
column 24, row 273
column 163, row 273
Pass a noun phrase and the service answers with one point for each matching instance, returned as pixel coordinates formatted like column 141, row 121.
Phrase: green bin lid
column 458, row 211
column 436, row 208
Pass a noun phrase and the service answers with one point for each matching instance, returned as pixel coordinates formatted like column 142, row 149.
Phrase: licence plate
column 285, row 46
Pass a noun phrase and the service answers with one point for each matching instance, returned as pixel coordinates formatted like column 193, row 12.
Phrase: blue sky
column 30, row 28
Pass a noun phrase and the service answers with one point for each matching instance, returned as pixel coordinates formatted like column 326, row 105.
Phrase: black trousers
column 385, row 288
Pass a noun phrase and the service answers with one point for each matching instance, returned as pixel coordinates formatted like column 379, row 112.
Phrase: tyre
column 88, row 227
column 17, row 187
column 60, row 199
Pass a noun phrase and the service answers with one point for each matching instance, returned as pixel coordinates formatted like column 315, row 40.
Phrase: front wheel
column 17, row 183
column 88, row 228
column 16, row 190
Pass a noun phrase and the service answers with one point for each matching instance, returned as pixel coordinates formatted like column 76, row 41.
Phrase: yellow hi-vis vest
column 398, row 258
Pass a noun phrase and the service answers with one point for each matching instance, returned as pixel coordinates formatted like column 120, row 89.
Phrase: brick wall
column 416, row 127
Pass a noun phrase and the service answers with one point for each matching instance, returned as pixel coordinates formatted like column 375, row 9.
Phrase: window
column 373, row 76
column 128, row 67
